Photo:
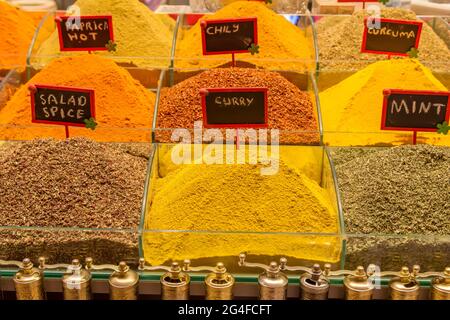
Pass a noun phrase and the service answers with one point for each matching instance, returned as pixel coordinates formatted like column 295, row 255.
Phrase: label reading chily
column 62, row 105
column 388, row 36
column 234, row 107
column 228, row 36
column 414, row 110
column 84, row 33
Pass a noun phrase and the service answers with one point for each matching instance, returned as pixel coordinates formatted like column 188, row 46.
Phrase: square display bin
column 305, row 82
column 302, row 21
column 60, row 243
column 15, row 79
column 331, row 70
column 389, row 251
column 138, row 66
column 208, row 247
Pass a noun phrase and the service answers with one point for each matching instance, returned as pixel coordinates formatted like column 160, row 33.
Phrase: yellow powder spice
column 352, row 109
column 17, row 29
column 228, row 198
column 283, row 46
column 143, row 38
column 124, row 108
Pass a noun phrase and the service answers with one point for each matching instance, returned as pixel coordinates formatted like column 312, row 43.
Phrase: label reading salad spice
column 62, row 105
column 229, row 36
column 234, row 107
column 414, row 110
column 84, row 33
column 392, row 37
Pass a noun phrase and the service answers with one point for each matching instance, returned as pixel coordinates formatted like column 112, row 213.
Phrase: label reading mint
column 234, row 107
column 62, row 105
column 228, row 36
column 414, row 110
column 392, row 37
column 84, row 33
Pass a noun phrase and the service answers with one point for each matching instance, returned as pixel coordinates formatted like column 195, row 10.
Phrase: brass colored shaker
column 405, row 286
column 272, row 283
column 440, row 286
column 175, row 282
column 76, row 282
column 29, row 282
column 358, row 286
column 123, row 283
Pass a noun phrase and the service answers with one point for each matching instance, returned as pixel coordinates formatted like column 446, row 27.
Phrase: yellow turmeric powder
column 283, row 46
column 143, row 38
column 352, row 109
column 238, row 205
column 17, row 29
column 124, row 108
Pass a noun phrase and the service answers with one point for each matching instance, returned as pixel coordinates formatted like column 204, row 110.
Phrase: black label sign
column 61, row 105
column 234, row 107
column 84, row 33
column 228, row 36
column 414, row 110
column 392, row 37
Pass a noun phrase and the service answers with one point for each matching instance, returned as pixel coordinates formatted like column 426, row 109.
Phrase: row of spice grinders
column 314, row 283
column 123, row 282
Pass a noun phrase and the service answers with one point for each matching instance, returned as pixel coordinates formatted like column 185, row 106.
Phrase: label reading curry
column 61, row 105
column 412, row 110
column 84, row 33
column 389, row 36
column 229, row 36
column 234, row 107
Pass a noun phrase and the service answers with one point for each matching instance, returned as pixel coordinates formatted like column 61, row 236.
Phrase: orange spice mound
column 124, row 108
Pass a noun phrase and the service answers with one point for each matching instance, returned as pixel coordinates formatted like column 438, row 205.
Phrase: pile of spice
column 75, row 183
column 340, row 38
column 352, row 109
column 124, row 107
column 17, row 29
column 283, row 46
column 227, row 198
column 413, row 199
column 143, row 38
column 289, row 109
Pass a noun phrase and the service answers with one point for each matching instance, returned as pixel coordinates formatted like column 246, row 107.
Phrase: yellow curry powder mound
column 124, row 108
column 226, row 198
column 283, row 46
column 17, row 28
column 352, row 109
column 143, row 38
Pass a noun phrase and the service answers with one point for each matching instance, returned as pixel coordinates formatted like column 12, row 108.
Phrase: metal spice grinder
column 405, row 286
column 29, row 282
column 314, row 285
column 358, row 286
column 174, row 283
column 123, row 283
column 76, row 282
column 440, row 286
column 272, row 283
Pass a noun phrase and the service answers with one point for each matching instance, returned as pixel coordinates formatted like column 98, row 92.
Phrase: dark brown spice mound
column 289, row 109
column 77, row 183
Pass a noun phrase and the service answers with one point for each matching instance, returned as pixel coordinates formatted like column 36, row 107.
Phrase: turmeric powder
column 17, row 29
column 351, row 110
column 283, row 46
column 143, row 38
column 237, row 205
column 124, row 108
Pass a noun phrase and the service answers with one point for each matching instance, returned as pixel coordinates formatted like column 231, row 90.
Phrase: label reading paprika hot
column 62, row 105
column 229, row 36
column 84, row 33
column 234, row 107
column 389, row 36
column 414, row 110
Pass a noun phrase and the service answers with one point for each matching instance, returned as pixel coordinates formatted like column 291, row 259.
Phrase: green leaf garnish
column 443, row 128
column 254, row 49
column 383, row 1
column 413, row 53
column 111, row 46
column 90, row 123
